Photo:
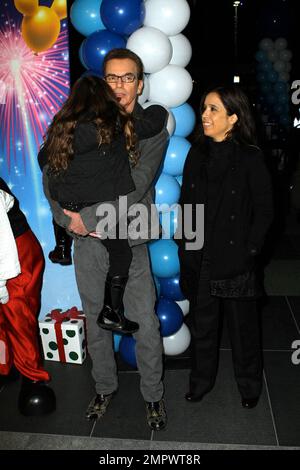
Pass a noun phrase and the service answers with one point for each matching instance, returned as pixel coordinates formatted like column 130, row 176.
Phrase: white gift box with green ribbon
column 63, row 336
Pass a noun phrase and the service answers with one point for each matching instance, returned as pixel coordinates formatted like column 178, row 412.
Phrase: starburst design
column 32, row 89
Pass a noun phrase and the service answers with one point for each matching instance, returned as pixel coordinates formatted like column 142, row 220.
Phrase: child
column 21, row 272
column 90, row 146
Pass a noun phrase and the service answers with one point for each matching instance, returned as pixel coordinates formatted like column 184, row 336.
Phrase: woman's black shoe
column 249, row 402
column 112, row 316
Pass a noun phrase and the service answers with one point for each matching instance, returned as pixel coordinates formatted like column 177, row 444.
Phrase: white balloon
column 177, row 343
column 272, row 55
column 182, row 50
column 171, row 119
column 170, row 16
column 172, row 86
column 284, row 76
column 280, row 44
column 152, row 46
column 266, row 44
column 288, row 67
column 285, row 55
column 184, row 305
column 280, row 66
column 146, row 90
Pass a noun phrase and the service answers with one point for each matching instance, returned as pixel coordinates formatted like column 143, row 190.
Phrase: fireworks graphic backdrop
column 33, row 87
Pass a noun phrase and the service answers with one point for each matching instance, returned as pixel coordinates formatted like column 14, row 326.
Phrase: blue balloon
column 177, row 151
column 285, row 120
column 123, row 16
column 261, row 99
column 283, row 98
column 261, row 77
column 271, row 98
column 85, row 16
column 167, row 190
column 272, row 76
column 265, row 87
column 168, row 221
column 278, row 109
column 127, row 350
column 179, row 179
column 97, row 45
column 170, row 288
column 157, row 285
column 164, row 258
column 94, row 73
column 185, row 119
column 266, row 66
column 261, row 56
column 170, row 316
column 80, row 54
column 280, row 87
column 117, row 339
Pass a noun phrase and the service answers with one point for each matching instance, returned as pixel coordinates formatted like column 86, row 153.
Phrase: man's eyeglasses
column 127, row 78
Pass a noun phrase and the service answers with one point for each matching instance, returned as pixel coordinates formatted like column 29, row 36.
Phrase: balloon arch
column 151, row 29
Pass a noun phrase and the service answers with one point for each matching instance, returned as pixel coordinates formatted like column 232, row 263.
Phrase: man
column 123, row 71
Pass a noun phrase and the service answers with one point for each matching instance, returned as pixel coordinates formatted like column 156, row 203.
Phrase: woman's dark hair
column 236, row 102
column 91, row 100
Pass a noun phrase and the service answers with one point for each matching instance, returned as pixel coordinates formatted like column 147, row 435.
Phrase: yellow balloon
column 41, row 30
column 27, row 7
column 60, row 8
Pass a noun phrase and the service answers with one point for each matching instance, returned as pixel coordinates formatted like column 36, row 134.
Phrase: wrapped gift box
column 64, row 336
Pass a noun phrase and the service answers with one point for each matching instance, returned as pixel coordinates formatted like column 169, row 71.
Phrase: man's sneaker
column 98, row 406
column 156, row 414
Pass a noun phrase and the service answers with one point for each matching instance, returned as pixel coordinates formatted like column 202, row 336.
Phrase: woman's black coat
column 242, row 216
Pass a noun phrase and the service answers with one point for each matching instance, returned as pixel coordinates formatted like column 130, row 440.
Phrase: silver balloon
column 182, row 50
column 170, row 16
column 177, row 343
column 184, row 305
column 152, row 46
column 172, row 86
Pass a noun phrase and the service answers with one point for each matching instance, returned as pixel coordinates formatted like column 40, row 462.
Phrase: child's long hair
column 91, row 100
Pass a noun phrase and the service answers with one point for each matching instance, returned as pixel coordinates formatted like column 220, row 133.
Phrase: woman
column 225, row 171
column 90, row 146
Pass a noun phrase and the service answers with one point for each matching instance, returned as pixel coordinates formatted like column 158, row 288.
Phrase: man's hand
column 76, row 225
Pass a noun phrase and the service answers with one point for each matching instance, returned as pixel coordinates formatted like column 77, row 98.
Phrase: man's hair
column 125, row 54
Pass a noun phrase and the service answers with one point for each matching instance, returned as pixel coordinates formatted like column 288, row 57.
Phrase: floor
column 218, row 421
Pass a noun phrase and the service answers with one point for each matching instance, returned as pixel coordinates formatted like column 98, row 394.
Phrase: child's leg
column 112, row 315
column 20, row 313
column 120, row 257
